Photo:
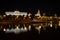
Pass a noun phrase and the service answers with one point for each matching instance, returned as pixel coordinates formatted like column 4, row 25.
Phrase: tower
column 38, row 13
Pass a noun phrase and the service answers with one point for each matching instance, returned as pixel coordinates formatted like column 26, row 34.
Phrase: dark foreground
column 48, row 34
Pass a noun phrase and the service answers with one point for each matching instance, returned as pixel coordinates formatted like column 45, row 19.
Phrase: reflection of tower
column 55, row 16
column 38, row 13
column 55, row 21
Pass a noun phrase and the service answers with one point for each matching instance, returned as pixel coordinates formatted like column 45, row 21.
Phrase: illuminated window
column 59, row 23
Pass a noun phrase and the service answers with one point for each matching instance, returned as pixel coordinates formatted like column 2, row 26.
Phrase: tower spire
column 38, row 13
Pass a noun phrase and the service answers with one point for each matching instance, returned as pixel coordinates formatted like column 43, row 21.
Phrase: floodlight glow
column 16, row 13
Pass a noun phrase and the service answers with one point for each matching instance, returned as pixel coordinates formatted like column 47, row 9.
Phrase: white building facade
column 16, row 13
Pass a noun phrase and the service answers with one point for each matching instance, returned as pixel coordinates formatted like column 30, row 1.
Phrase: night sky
column 49, row 7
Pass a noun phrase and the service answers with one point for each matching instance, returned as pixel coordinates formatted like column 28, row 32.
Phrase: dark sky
column 50, row 7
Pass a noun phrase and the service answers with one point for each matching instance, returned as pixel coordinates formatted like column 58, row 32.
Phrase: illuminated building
column 17, row 18
column 16, row 13
column 38, row 14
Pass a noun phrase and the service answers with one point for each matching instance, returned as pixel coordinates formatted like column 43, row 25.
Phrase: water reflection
column 20, row 28
column 4, row 29
column 16, row 30
column 38, row 28
column 29, row 27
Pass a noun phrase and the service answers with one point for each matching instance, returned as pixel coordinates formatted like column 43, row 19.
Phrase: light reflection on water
column 25, row 28
column 22, row 29
column 16, row 30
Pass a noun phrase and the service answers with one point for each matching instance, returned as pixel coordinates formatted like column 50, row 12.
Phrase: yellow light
column 17, row 16
column 4, row 15
column 4, row 29
column 29, row 27
column 17, row 27
column 39, row 26
column 24, row 16
column 50, row 25
column 25, row 28
column 50, row 17
column 59, row 23
column 29, row 14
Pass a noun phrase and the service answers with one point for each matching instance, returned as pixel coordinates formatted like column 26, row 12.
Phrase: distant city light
column 17, row 27
column 29, row 27
column 50, row 25
column 4, row 29
column 59, row 23
column 40, row 27
column 29, row 14
column 4, row 15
